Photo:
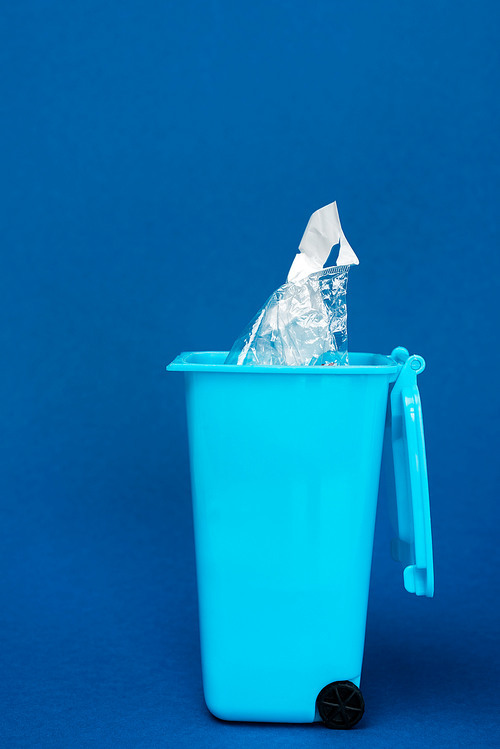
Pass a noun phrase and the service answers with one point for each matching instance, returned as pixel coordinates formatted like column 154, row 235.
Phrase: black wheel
column 340, row 704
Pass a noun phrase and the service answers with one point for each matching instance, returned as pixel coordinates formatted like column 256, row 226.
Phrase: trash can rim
column 213, row 361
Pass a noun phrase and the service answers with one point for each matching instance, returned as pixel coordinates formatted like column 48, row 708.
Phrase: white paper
column 323, row 231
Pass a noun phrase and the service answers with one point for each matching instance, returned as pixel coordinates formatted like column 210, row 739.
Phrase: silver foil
column 302, row 323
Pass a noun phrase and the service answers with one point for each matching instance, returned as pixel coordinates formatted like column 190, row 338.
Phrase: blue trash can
column 285, row 466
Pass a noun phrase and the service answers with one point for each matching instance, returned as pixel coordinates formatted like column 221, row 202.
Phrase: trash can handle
column 413, row 544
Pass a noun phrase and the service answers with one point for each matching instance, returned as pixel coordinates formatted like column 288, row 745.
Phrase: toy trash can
column 285, row 466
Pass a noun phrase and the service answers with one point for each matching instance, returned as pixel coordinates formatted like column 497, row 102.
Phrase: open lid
column 411, row 516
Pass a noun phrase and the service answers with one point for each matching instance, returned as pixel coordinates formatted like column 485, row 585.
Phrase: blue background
column 160, row 161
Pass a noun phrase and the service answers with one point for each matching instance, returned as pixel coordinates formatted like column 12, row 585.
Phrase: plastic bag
column 305, row 321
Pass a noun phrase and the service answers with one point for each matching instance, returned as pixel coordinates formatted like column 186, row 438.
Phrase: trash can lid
column 411, row 514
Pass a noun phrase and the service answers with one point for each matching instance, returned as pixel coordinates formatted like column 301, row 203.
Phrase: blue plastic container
column 285, row 466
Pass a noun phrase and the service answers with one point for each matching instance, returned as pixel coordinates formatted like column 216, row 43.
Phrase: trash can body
column 285, row 465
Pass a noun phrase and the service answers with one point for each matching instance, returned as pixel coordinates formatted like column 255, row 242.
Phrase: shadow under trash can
column 285, row 465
